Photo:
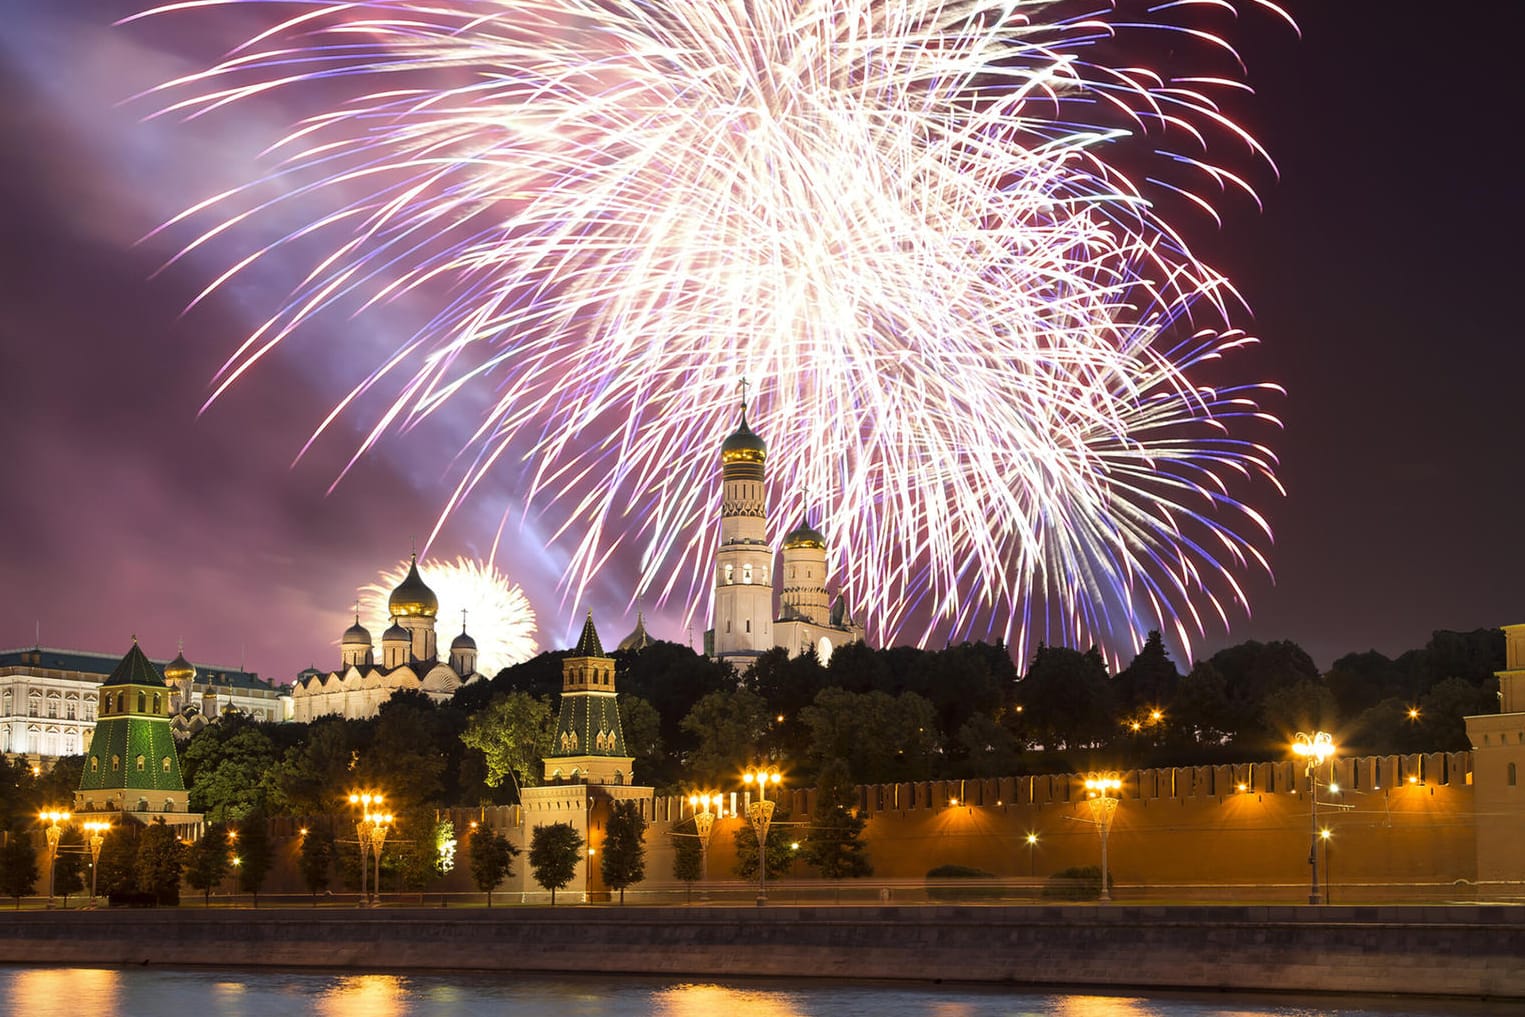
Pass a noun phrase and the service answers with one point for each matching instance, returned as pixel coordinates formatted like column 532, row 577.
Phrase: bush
column 1080, row 882
column 942, row 884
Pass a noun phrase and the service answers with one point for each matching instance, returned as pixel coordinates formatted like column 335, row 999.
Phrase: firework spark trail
column 911, row 218
column 499, row 616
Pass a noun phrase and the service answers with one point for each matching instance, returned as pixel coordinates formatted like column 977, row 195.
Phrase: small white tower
column 463, row 652
column 355, row 649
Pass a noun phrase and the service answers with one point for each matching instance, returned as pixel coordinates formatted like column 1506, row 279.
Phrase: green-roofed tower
column 590, row 744
column 131, row 765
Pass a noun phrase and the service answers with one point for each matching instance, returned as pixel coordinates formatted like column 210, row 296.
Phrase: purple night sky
column 1380, row 273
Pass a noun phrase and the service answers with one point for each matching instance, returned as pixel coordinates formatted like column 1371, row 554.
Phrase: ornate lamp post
column 380, row 822
column 1032, row 844
column 363, row 832
column 52, row 817
column 1315, row 748
column 760, row 813
column 96, row 831
column 1101, row 797
column 704, row 824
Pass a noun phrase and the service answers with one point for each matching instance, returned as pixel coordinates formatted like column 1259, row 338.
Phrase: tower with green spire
column 131, row 766
column 590, row 744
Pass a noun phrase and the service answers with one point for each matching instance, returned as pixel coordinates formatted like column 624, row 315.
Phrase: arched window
column 142, row 804
column 730, row 572
column 142, row 762
column 169, row 805
column 1510, row 777
column 166, row 764
column 121, row 702
column 156, row 704
column 116, row 763
column 95, row 764
column 746, row 573
column 142, row 702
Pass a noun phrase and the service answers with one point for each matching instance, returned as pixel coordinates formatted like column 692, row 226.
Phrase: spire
column 588, row 645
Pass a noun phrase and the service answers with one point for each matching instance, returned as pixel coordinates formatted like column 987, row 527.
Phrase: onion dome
column 356, row 635
column 179, row 670
column 463, row 642
column 804, row 535
column 396, row 634
column 413, row 596
column 637, row 640
column 743, row 445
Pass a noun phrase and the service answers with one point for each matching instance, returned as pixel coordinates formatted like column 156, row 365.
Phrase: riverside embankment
column 1471, row 950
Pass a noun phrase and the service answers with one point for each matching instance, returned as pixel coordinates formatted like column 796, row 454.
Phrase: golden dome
column 804, row 535
column 412, row 596
column 178, row 670
column 743, row 445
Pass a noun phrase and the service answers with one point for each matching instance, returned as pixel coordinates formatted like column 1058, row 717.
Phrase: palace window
column 31, row 706
column 53, row 709
column 69, row 710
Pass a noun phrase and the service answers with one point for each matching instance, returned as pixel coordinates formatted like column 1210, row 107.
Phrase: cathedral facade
column 745, row 625
column 409, row 660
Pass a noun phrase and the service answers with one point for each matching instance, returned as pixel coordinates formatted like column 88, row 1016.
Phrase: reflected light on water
column 710, row 1000
column 364, row 996
column 1104, row 1006
column 42, row 992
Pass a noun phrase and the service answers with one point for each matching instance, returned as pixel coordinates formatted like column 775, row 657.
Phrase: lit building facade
column 48, row 698
column 409, row 660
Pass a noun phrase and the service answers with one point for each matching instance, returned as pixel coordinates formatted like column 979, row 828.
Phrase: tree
column 233, row 776
column 882, row 738
column 117, row 875
column 989, row 748
column 160, row 862
column 1200, row 711
column 18, row 868
column 554, row 853
column 1443, row 710
column 728, row 729
column 69, row 864
column 492, row 860
column 643, row 740
column 687, row 855
column 208, row 860
column 780, row 853
column 514, row 734
column 624, row 859
column 1149, row 682
column 1067, row 698
column 254, row 854
column 313, row 774
column 1305, row 705
column 316, row 860
column 833, row 846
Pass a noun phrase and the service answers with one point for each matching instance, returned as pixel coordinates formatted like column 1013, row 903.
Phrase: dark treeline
column 896, row 714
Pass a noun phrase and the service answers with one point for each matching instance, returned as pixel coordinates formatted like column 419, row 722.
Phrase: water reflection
column 364, row 996
column 44, row 992
column 715, row 1000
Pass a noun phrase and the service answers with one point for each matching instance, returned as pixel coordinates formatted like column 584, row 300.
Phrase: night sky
column 1382, row 272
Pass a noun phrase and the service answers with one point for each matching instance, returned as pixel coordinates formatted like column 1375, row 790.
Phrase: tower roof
column 804, row 535
column 639, row 639
column 179, row 670
column 135, row 669
column 413, row 596
column 742, row 444
column 588, row 644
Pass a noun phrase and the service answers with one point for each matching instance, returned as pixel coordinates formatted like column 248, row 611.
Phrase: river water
column 213, row 992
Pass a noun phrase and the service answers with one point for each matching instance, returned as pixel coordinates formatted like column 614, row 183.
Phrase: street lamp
column 704, row 824
column 1101, row 796
column 363, row 833
column 1315, row 748
column 760, row 812
column 97, row 831
column 52, row 817
column 1032, row 844
column 380, row 822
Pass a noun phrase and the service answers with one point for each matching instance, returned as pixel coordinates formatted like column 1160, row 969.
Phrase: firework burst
column 502, row 622
column 933, row 232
